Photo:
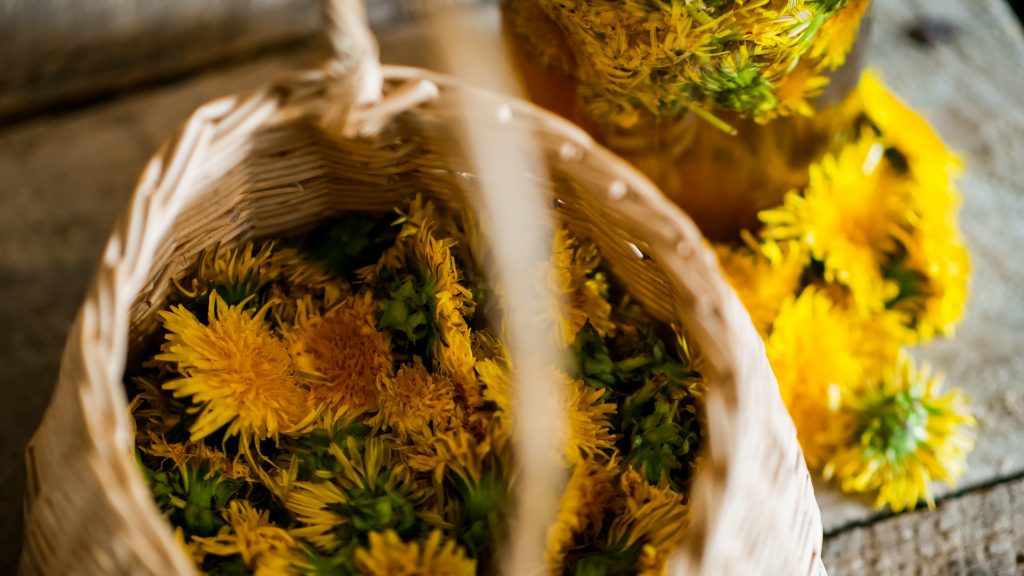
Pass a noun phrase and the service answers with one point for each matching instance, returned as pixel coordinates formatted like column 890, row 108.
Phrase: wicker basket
column 269, row 163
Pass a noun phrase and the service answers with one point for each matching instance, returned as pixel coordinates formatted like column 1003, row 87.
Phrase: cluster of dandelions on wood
column 339, row 403
column 635, row 57
column 842, row 277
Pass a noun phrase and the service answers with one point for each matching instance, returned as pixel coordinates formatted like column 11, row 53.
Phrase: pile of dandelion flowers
column 664, row 59
column 237, row 373
column 909, row 434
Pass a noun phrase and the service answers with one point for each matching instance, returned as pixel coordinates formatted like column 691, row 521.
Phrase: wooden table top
column 65, row 176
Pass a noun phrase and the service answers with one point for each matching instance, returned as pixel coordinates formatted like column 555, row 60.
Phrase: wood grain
column 59, row 51
column 65, row 177
column 979, row 533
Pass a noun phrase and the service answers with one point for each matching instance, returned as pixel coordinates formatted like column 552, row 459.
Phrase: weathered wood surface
column 980, row 533
column 65, row 178
column 55, row 51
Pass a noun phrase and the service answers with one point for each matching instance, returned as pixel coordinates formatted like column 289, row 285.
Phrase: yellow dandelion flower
column 373, row 491
column 250, row 534
column 837, row 36
column 908, row 435
column 589, row 420
column 236, row 273
column 589, row 429
column 456, row 451
column 487, row 345
column 341, row 355
column 575, row 279
column 879, row 338
column 586, row 498
column 236, row 372
column 797, row 90
column 938, row 252
column 455, row 350
column 431, row 285
column 811, row 349
column 905, row 130
column 297, row 278
column 389, row 555
column 296, row 269
column 494, row 377
column 414, row 399
column 934, row 246
column 762, row 282
column 850, row 217
column 655, row 516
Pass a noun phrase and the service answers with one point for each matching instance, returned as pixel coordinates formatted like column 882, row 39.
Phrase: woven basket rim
column 158, row 196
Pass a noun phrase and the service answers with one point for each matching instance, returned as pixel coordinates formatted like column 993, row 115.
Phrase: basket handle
column 355, row 78
column 354, row 68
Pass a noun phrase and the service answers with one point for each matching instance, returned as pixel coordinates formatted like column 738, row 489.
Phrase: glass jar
column 721, row 178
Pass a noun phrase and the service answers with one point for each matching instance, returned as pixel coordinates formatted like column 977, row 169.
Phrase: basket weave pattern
column 263, row 164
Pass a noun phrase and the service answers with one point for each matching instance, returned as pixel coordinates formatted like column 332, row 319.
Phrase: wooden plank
column 66, row 177
column 55, row 51
column 967, row 78
column 977, row 533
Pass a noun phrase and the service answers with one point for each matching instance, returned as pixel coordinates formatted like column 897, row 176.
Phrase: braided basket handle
column 354, row 70
column 357, row 106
